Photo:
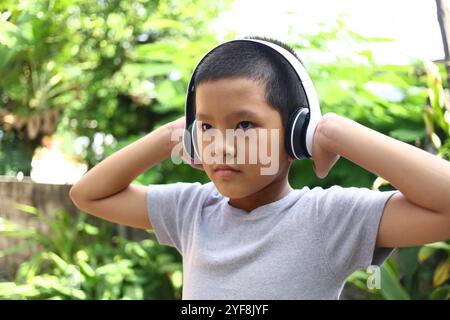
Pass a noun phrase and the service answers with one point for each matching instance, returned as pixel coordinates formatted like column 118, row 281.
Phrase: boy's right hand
column 180, row 123
column 323, row 159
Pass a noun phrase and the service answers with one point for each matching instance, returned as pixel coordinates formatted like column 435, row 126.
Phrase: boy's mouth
column 225, row 171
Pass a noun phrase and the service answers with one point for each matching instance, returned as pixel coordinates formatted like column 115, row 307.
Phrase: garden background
column 81, row 79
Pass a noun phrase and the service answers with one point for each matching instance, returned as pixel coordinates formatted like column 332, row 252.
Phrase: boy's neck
column 273, row 192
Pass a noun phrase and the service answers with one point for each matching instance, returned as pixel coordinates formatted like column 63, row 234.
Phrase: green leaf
column 425, row 252
column 155, row 52
column 87, row 269
column 436, row 140
column 407, row 135
column 148, row 70
column 166, row 92
column 133, row 293
column 59, row 262
column 441, row 293
column 163, row 23
column 442, row 273
column 10, row 290
column 408, row 261
column 390, row 285
column 26, row 208
column 13, row 230
column 438, row 245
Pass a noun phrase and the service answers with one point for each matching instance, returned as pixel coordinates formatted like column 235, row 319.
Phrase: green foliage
column 121, row 68
column 387, row 98
column 79, row 260
column 421, row 272
column 118, row 67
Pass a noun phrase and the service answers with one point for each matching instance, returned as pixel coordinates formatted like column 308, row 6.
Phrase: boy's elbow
column 75, row 196
column 73, row 192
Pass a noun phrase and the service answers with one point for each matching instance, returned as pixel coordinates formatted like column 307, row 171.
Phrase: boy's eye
column 241, row 125
column 205, row 126
column 245, row 125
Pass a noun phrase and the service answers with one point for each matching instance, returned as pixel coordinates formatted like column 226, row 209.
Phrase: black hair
column 252, row 61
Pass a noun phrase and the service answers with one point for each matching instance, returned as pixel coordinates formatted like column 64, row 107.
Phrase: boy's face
column 232, row 104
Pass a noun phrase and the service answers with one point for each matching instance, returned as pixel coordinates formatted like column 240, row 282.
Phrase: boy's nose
column 226, row 149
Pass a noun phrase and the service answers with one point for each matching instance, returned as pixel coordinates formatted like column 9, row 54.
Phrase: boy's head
column 244, row 85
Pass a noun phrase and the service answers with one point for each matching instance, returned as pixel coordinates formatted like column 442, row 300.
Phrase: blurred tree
column 117, row 67
column 351, row 82
column 420, row 272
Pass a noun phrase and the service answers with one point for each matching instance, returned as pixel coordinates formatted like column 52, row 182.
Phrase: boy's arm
column 106, row 190
column 420, row 212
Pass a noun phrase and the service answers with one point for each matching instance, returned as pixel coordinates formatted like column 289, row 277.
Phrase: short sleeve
column 348, row 221
column 171, row 209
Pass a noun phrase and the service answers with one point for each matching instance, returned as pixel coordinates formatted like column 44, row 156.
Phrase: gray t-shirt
column 302, row 246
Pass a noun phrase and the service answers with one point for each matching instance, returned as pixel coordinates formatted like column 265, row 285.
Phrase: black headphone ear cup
column 187, row 141
column 295, row 134
column 193, row 131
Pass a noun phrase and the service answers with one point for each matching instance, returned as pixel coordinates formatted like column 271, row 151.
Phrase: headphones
column 301, row 122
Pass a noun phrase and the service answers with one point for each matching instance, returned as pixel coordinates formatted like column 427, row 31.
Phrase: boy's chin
column 233, row 190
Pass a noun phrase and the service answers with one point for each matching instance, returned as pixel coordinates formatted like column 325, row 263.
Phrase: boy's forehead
column 240, row 97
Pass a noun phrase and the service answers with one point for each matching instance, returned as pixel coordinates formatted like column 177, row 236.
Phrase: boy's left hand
column 323, row 159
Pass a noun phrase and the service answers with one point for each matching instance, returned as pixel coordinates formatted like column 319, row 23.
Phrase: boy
column 247, row 235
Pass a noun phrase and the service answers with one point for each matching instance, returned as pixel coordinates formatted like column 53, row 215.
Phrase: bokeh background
column 81, row 79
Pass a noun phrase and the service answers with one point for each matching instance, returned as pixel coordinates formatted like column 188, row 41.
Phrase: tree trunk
column 443, row 16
